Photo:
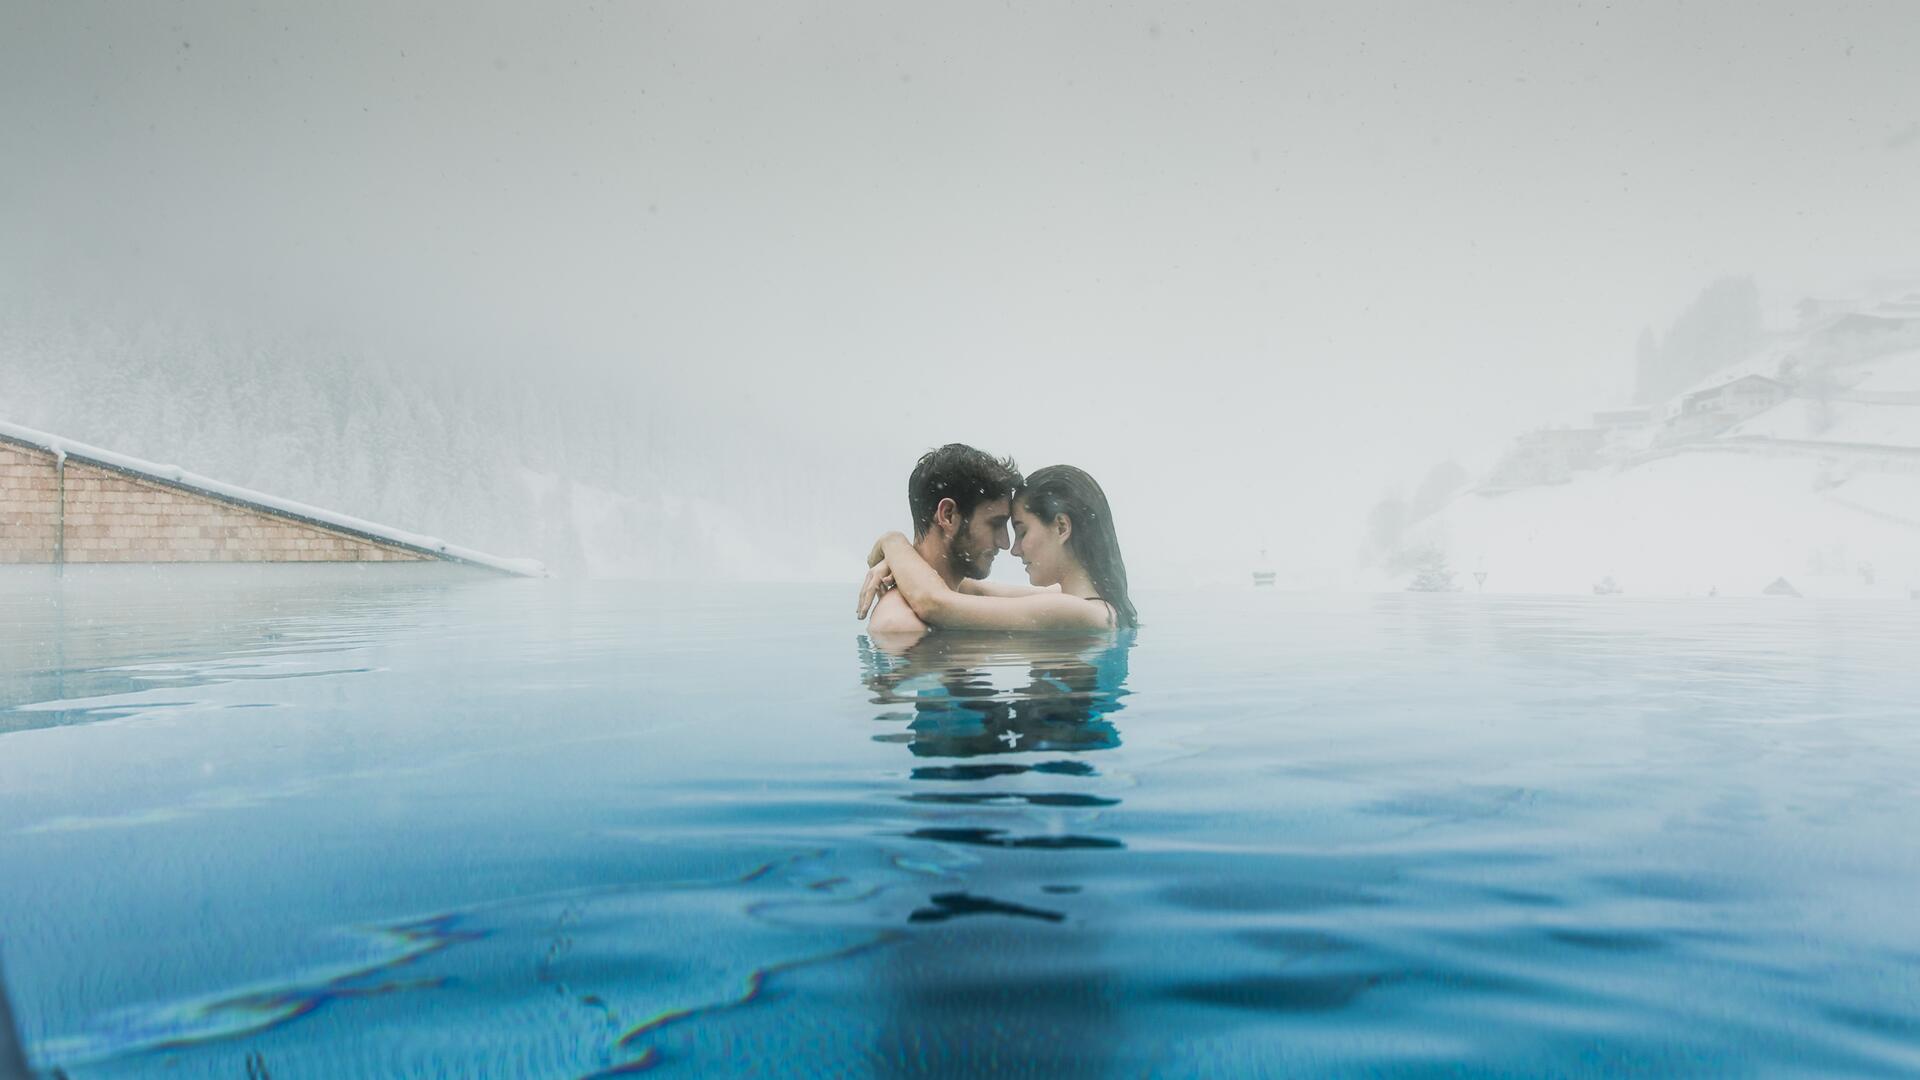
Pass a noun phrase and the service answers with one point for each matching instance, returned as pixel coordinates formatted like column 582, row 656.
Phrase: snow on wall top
column 173, row 474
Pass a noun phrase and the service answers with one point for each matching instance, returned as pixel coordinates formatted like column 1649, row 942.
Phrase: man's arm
column 893, row 615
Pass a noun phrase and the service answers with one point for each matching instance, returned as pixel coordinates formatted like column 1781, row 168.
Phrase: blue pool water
column 395, row 821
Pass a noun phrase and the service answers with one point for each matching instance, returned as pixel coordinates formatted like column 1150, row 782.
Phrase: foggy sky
column 1249, row 265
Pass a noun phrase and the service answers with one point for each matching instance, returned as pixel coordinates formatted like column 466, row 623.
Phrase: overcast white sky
column 1247, row 263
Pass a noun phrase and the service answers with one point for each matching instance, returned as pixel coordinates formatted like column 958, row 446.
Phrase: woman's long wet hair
column 1063, row 489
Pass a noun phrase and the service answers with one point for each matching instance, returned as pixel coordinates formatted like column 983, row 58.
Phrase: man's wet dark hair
column 959, row 472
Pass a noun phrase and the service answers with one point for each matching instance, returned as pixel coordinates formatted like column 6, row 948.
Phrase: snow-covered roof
column 1764, row 361
column 177, row 477
column 1861, row 322
column 1734, row 381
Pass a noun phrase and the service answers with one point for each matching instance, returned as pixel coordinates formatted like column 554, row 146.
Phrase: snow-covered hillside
column 1820, row 488
column 1728, row 520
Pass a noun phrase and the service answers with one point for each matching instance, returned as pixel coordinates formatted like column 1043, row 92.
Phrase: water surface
column 396, row 820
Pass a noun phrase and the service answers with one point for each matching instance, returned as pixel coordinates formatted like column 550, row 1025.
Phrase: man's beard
column 966, row 563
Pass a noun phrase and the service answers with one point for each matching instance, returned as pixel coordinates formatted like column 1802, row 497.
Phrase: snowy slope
column 1839, row 422
column 1693, row 522
column 1894, row 373
column 1821, row 490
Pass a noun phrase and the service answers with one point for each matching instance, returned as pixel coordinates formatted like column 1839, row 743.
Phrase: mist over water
column 666, row 291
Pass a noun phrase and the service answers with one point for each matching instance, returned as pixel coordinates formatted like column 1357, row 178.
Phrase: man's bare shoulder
column 892, row 615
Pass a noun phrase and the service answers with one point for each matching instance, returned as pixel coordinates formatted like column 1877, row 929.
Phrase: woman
column 1062, row 532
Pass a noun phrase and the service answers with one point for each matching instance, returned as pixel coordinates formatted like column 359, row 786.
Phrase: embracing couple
column 963, row 501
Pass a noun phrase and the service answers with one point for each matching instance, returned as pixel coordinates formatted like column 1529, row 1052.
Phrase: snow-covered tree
column 1431, row 573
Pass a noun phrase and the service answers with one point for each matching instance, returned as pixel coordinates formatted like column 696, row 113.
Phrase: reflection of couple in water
column 963, row 501
column 972, row 693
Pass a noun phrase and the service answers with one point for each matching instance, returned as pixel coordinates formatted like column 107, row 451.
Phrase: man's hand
column 875, row 556
column 879, row 579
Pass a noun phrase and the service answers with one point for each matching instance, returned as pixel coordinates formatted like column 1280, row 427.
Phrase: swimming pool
column 410, row 821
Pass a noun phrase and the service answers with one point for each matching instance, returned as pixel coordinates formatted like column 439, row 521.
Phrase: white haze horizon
column 1252, row 268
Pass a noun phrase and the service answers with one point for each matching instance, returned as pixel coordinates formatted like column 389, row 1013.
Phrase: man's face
column 980, row 538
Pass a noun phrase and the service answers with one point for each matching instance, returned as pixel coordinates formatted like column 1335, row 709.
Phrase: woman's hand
column 879, row 579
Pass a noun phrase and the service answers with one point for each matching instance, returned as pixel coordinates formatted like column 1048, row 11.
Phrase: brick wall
column 29, row 505
column 115, row 518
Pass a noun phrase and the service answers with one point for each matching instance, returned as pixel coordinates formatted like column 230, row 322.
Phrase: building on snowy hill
column 1706, row 412
column 1745, row 396
column 1857, row 324
column 1812, row 309
column 65, row 502
column 1626, row 432
column 1686, row 427
column 1858, row 335
column 1547, row 456
column 1901, row 307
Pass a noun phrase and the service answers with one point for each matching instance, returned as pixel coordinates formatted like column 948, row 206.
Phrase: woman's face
column 1039, row 545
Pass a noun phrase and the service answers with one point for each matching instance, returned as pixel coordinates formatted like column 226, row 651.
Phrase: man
column 961, row 500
